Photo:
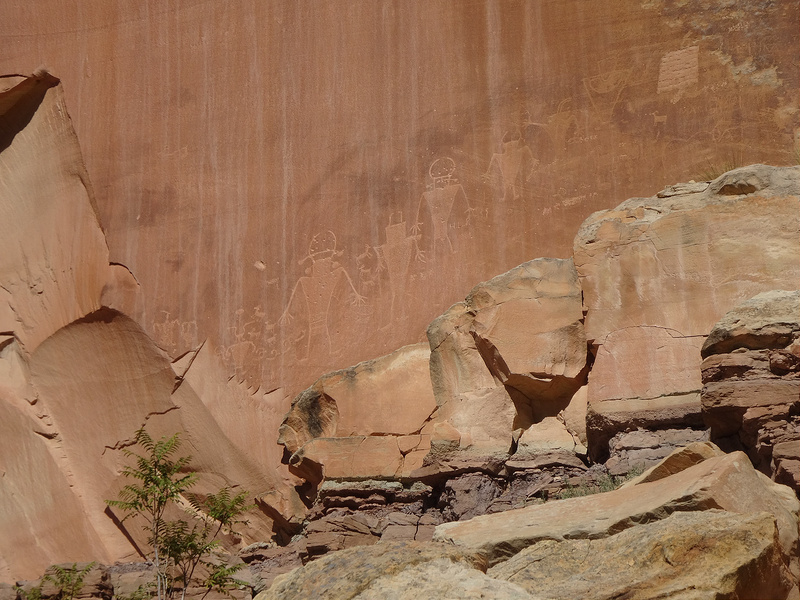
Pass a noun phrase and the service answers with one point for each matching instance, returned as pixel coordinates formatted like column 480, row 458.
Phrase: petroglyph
column 317, row 289
column 678, row 71
column 605, row 89
column 396, row 256
column 567, row 126
column 514, row 166
column 446, row 205
column 173, row 334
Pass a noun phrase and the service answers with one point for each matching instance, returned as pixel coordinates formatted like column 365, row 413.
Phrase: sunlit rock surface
column 78, row 379
column 271, row 171
column 657, row 273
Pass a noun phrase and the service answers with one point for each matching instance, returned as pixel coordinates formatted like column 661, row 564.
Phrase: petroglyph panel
column 439, row 143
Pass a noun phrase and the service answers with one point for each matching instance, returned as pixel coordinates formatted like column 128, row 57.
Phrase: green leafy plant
column 158, row 481
column 222, row 579
column 179, row 546
column 143, row 592
column 606, row 483
column 34, row 593
column 69, row 580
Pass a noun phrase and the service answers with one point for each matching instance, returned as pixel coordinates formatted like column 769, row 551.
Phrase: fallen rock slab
column 728, row 482
column 707, row 555
column 677, row 461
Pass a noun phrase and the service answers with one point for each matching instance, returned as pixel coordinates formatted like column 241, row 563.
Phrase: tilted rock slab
column 751, row 382
column 707, row 555
column 657, row 273
column 508, row 357
column 728, row 482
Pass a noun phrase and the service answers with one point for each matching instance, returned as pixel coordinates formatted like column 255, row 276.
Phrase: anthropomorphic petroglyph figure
column 514, row 165
column 318, row 288
column 445, row 203
column 396, row 256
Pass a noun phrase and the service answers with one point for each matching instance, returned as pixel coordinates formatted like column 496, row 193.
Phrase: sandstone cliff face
column 495, row 413
column 78, row 378
column 54, row 258
column 250, row 155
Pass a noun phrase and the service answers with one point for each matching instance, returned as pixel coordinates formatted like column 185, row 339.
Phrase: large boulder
column 658, row 273
column 751, row 383
column 728, row 482
column 509, row 359
column 708, row 555
column 390, row 395
column 370, row 421
column 364, row 570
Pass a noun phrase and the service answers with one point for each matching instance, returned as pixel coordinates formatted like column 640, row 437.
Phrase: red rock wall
column 269, row 170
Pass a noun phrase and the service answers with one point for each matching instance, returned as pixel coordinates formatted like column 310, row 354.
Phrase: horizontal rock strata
column 751, row 383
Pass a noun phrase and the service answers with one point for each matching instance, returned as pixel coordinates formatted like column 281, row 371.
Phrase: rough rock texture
column 706, row 555
column 390, row 395
column 641, row 449
column 729, row 482
column 106, row 366
column 346, row 574
column 441, row 578
column 366, row 422
column 663, row 536
column 677, row 461
column 494, row 380
column 751, row 383
column 658, row 272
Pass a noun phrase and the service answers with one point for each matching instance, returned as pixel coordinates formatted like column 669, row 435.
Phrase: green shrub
column 606, row 483
column 179, row 546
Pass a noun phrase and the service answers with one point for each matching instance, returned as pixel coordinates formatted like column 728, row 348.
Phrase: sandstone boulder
column 493, row 378
column 360, row 457
column 344, row 575
column 707, row 555
column 369, row 421
column 729, row 482
column 658, row 272
column 751, row 383
column 677, row 461
column 390, row 395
